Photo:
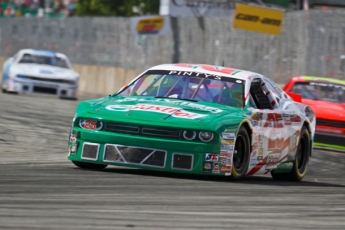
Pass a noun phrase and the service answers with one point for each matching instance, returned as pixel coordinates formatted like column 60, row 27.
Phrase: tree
column 120, row 8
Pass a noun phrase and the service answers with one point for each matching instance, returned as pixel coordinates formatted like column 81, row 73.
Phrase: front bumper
column 148, row 153
column 41, row 87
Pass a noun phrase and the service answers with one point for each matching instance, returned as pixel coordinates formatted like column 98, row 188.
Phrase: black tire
column 299, row 168
column 240, row 161
column 3, row 90
column 86, row 165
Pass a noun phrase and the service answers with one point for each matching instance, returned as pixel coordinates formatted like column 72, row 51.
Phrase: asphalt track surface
column 41, row 189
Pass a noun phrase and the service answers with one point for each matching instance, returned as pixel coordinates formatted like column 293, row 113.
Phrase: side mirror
column 296, row 97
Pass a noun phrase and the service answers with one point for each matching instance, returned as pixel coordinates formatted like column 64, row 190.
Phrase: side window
column 259, row 96
column 273, row 87
column 252, row 102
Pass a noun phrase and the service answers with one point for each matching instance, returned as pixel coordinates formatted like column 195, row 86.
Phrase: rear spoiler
column 296, row 97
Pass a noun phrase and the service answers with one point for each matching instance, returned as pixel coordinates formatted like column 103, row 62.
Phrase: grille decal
column 134, row 155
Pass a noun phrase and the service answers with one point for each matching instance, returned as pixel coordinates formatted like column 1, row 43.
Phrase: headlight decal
column 189, row 135
column 206, row 136
column 90, row 124
column 203, row 136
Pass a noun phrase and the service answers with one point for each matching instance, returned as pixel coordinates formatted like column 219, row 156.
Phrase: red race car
column 326, row 96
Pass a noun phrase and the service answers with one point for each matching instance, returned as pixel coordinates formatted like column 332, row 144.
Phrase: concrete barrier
column 103, row 80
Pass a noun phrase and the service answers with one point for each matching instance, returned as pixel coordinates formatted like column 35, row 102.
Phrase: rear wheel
column 240, row 160
column 301, row 160
column 86, row 165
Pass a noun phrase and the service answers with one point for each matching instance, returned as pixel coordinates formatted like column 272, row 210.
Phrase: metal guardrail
column 311, row 43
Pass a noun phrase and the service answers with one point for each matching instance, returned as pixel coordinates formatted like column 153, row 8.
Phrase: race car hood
column 327, row 110
column 159, row 110
column 44, row 71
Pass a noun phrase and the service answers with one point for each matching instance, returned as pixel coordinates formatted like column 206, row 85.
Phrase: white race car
column 40, row 71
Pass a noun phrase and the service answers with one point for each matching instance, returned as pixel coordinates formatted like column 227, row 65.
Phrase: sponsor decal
column 176, row 103
column 173, row 111
column 224, row 154
column 73, row 148
column 211, row 157
column 254, row 153
column 225, row 169
column 226, row 148
column 328, row 130
column 260, row 155
column 272, row 160
column 45, row 71
column 231, row 148
column 225, row 161
column 257, row 116
column 253, row 162
column 292, row 143
column 219, row 69
column 207, row 167
column 228, row 136
column 229, row 142
column 197, row 106
column 215, row 167
column 255, row 123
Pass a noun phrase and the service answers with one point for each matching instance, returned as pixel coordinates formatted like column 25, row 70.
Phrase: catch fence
column 311, row 43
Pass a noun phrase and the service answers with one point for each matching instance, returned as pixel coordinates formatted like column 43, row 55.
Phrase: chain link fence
column 311, row 43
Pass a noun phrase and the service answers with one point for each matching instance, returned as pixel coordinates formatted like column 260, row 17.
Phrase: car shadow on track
column 246, row 180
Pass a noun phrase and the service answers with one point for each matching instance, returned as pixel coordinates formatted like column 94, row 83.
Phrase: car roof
column 208, row 69
column 316, row 78
column 43, row 52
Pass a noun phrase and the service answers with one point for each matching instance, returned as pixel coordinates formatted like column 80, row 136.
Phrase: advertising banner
column 258, row 19
column 159, row 25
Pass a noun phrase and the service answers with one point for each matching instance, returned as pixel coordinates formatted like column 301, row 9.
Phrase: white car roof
column 42, row 52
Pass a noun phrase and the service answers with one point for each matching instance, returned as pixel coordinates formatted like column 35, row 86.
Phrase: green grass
column 329, row 146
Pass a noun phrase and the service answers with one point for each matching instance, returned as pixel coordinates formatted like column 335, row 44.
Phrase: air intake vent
column 161, row 132
column 134, row 155
column 121, row 128
column 90, row 151
column 182, row 161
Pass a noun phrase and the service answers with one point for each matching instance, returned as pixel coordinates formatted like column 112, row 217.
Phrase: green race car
column 197, row 119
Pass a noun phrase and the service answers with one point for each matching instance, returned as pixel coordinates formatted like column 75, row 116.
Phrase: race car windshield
column 44, row 60
column 320, row 91
column 188, row 86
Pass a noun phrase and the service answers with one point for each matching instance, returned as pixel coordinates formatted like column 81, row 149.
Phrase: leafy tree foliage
column 120, row 8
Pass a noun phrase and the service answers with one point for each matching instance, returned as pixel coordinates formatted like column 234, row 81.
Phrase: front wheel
column 299, row 168
column 86, row 165
column 3, row 89
column 240, row 160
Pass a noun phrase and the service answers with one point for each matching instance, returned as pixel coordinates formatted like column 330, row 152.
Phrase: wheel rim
column 239, row 153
